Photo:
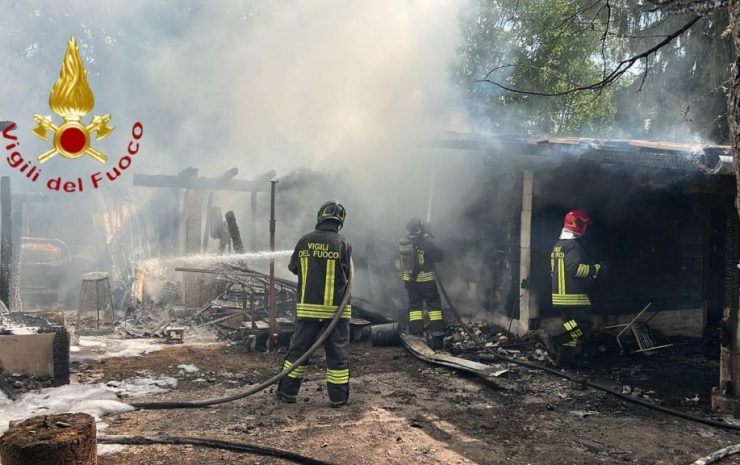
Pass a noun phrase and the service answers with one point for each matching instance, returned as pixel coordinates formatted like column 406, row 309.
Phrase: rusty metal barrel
column 387, row 334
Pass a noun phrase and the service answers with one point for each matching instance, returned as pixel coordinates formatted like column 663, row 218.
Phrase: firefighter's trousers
column 576, row 322
column 418, row 294
column 337, row 359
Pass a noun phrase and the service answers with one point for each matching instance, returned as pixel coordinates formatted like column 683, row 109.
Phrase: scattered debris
column 174, row 335
column 189, row 368
column 583, row 413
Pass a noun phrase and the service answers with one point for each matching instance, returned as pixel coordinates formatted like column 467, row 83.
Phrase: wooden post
column 66, row 439
column 6, row 239
column 207, row 222
column 192, row 218
column 253, row 222
column 527, row 307
column 726, row 397
column 193, row 293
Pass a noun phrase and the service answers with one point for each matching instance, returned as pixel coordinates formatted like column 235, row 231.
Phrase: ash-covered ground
column 403, row 410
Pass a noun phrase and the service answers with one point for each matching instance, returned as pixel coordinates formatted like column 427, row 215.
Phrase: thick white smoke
column 348, row 89
column 258, row 85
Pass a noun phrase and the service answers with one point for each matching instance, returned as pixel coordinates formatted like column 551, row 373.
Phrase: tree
column 523, row 44
column 594, row 57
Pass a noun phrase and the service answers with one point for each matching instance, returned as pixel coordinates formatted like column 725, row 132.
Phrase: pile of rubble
column 493, row 337
column 14, row 384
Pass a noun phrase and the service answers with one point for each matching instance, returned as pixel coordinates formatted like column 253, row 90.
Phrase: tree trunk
column 730, row 361
column 66, row 439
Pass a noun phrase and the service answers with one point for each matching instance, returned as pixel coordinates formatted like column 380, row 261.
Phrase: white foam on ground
column 97, row 399
column 109, row 449
column 100, row 347
column 189, row 368
column 93, row 399
column 142, row 386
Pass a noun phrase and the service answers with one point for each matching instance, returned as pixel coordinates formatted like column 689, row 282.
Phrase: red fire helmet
column 576, row 221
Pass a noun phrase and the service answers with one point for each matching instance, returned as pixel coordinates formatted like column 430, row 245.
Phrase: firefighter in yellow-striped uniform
column 572, row 280
column 419, row 256
column 322, row 262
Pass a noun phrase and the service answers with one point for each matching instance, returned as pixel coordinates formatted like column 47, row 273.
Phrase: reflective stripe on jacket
column 571, row 274
column 321, row 261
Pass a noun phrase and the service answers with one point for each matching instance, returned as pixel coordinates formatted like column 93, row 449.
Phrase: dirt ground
column 401, row 411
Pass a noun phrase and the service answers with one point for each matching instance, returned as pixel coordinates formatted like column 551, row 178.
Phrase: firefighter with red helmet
column 321, row 261
column 573, row 276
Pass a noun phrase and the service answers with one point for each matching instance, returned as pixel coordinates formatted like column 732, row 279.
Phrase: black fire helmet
column 331, row 210
column 415, row 227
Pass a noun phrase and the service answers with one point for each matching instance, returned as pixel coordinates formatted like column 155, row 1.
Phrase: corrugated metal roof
column 709, row 159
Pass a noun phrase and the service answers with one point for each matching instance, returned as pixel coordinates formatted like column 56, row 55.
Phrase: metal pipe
column 251, row 311
column 253, row 221
column 272, row 311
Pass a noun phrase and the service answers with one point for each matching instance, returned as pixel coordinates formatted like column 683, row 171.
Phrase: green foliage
column 556, row 45
column 501, row 33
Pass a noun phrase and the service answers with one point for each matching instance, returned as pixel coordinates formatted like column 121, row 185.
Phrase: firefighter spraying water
column 322, row 262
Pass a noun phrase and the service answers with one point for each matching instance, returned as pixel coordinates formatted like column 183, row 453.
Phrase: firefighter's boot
column 565, row 356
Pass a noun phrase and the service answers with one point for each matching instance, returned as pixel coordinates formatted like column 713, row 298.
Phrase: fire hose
column 491, row 356
column 269, row 382
column 211, row 444
column 718, row 455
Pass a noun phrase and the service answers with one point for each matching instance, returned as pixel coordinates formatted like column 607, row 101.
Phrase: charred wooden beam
column 62, row 439
column 181, row 182
column 229, row 174
column 236, row 238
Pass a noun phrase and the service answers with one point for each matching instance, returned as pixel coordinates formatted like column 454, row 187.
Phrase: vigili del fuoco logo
column 72, row 99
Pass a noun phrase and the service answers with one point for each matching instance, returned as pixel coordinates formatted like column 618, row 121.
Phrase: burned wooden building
column 664, row 222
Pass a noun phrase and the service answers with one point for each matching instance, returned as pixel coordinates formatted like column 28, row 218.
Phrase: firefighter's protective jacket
column 321, row 261
column 572, row 274
column 425, row 254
